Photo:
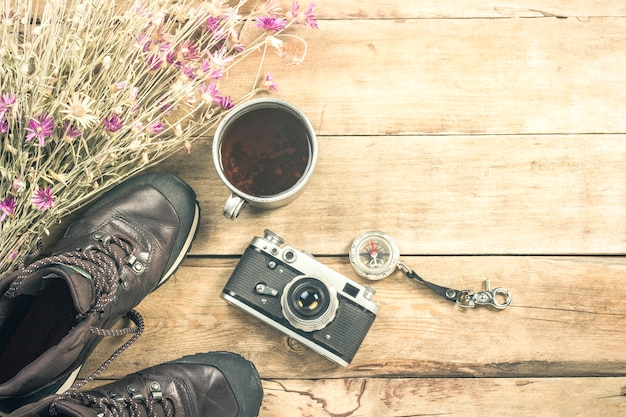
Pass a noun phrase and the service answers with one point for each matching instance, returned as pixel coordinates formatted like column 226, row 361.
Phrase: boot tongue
column 80, row 284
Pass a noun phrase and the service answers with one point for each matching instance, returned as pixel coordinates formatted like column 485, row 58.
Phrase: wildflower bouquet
column 92, row 92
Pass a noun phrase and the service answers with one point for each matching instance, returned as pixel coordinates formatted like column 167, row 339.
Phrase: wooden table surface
column 489, row 139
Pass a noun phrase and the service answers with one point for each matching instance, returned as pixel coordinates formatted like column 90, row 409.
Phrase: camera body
column 303, row 298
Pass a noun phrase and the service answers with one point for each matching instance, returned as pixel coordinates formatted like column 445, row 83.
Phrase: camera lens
column 309, row 300
column 309, row 303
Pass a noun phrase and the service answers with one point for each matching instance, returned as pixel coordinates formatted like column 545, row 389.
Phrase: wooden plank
column 436, row 195
column 397, row 9
column 440, row 397
column 561, row 322
column 470, row 76
column 400, row 397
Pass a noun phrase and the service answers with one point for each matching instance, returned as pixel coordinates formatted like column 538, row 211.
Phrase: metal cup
column 264, row 151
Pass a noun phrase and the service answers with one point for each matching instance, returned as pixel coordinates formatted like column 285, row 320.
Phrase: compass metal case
column 374, row 255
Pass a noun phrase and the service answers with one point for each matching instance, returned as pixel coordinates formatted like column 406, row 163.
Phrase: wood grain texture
column 468, row 76
column 488, row 139
column 525, row 194
column 560, row 322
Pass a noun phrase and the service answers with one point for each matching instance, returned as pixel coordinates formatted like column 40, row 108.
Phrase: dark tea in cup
column 264, row 151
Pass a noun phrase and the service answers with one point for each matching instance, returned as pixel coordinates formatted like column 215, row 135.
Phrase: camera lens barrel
column 309, row 303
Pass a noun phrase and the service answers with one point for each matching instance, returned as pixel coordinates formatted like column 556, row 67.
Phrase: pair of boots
column 55, row 311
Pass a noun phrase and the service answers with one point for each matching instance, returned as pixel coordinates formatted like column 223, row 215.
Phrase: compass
column 374, row 255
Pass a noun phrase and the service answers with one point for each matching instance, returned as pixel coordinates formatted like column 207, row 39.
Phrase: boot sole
column 185, row 249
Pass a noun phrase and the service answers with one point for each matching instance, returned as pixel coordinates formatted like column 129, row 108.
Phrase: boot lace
column 103, row 264
column 132, row 404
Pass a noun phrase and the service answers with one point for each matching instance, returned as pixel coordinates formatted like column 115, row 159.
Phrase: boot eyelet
column 133, row 391
column 155, row 391
column 138, row 267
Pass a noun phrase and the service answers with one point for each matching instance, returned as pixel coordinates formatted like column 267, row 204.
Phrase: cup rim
column 244, row 108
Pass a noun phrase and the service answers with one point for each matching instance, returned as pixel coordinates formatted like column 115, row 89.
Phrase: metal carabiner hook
column 487, row 297
column 492, row 297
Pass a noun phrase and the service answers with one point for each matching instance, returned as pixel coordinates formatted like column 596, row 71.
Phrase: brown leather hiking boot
column 219, row 384
column 54, row 311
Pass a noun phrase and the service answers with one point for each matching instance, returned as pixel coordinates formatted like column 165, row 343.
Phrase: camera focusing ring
column 309, row 303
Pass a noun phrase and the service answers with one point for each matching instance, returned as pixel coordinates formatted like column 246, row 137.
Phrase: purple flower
column 40, row 128
column 270, row 23
column 212, row 73
column 4, row 126
column 225, row 102
column 155, row 127
column 43, row 199
column 7, row 101
column 213, row 23
column 7, row 208
column 188, row 51
column 269, row 82
column 154, row 62
column 70, row 131
column 113, row 124
column 306, row 17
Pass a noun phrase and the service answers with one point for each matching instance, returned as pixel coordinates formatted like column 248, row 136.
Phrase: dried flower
column 113, row 123
column 305, row 17
column 269, row 83
column 104, row 92
column 17, row 186
column 7, row 101
column 43, row 199
column 40, row 128
column 270, row 23
column 80, row 111
column 7, row 207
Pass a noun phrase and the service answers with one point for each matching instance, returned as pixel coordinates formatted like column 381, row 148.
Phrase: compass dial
column 374, row 255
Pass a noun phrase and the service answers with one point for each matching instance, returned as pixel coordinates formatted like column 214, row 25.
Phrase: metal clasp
column 487, row 297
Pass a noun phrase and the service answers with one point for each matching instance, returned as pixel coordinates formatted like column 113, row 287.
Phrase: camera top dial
column 374, row 255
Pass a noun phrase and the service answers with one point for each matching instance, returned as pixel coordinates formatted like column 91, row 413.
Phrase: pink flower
column 225, row 102
column 188, row 51
column 113, row 124
column 154, row 62
column 40, row 128
column 156, row 127
column 17, row 186
column 4, row 126
column 70, row 131
column 213, row 23
column 270, row 23
column 7, row 101
column 7, row 208
column 269, row 83
column 43, row 199
column 306, row 17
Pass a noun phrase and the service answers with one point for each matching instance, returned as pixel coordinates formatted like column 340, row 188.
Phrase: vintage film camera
column 308, row 301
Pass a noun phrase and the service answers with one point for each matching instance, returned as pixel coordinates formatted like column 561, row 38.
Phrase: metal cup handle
column 233, row 206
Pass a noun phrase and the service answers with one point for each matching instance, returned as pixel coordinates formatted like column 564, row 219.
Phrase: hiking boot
column 55, row 311
column 219, row 384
